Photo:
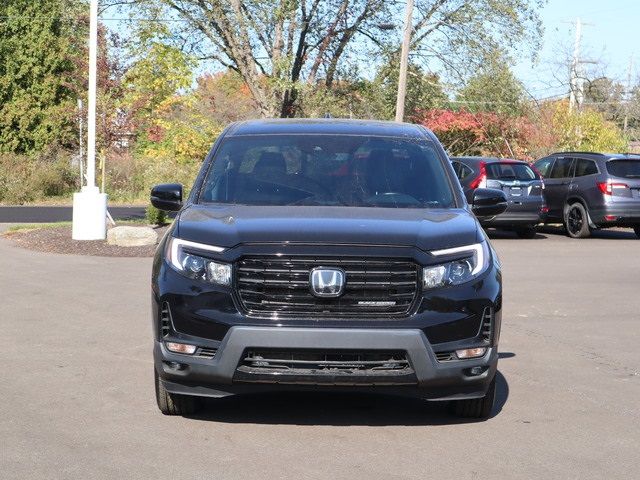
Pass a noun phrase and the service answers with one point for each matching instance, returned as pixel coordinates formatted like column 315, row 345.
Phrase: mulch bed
column 58, row 240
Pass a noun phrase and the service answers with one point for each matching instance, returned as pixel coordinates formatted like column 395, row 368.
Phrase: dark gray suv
column 586, row 190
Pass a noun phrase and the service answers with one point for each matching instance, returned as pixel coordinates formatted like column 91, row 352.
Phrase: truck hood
column 231, row 225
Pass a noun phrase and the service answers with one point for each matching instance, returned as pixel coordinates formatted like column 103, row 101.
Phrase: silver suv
column 587, row 191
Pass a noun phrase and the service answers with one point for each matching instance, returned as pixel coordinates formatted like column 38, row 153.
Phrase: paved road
column 77, row 392
column 48, row 214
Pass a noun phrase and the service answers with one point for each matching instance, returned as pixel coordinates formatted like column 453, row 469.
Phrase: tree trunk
column 288, row 106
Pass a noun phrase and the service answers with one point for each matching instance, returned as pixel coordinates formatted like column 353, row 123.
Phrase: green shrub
column 155, row 216
column 130, row 179
column 28, row 179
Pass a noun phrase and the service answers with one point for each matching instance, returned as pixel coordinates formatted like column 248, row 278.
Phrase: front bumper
column 219, row 376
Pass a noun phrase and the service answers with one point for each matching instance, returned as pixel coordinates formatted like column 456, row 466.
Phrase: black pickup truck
column 326, row 255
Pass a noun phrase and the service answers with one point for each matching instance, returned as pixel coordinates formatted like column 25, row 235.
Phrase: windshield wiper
column 318, row 202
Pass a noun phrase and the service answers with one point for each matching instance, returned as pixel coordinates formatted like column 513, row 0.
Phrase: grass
column 30, row 227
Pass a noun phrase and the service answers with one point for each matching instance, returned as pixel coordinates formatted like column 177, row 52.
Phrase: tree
column 272, row 43
column 586, row 130
column 39, row 45
column 424, row 91
column 277, row 45
column 462, row 35
column 483, row 133
column 493, row 89
column 158, row 72
column 226, row 97
column 180, row 132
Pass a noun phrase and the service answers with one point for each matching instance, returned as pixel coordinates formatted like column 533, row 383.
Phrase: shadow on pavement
column 545, row 231
column 337, row 409
column 611, row 234
column 510, row 235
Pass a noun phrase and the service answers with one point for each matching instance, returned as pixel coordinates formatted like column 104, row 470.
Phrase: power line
column 104, row 19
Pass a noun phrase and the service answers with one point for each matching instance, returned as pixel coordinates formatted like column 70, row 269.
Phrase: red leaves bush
column 481, row 133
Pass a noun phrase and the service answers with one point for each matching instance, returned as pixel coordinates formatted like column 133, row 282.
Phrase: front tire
column 526, row 232
column 173, row 404
column 637, row 230
column 479, row 408
column 576, row 221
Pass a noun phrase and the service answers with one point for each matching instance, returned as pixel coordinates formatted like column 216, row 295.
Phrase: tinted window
column 624, row 168
column 510, row 171
column 561, row 168
column 462, row 171
column 544, row 166
column 328, row 170
column 585, row 167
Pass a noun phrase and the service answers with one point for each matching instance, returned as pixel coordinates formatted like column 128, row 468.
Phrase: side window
column 562, row 168
column 457, row 167
column 462, row 171
column 544, row 166
column 585, row 167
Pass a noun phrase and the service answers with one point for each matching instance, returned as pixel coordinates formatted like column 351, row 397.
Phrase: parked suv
column 326, row 255
column 521, row 184
column 586, row 190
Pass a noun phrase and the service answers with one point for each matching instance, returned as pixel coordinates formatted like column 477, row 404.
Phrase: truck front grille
column 280, row 285
column 326, row 362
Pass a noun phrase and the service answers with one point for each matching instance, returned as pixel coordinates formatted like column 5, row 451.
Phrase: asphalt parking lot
column 77, row 387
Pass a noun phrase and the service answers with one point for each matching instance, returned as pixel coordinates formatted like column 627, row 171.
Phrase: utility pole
column 404, row 61
column 576, row 81
column 576, row 94
column 628, row 95
column 89, row 205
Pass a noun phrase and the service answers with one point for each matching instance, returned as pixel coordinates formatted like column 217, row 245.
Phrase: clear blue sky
column 611, row 38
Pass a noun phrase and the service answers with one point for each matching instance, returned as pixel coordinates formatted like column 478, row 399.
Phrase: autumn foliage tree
column 585, row 130
column 482, row 133
column 277, row 46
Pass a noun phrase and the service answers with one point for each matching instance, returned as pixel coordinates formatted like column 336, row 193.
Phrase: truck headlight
column 184, row 256
column 473, row 261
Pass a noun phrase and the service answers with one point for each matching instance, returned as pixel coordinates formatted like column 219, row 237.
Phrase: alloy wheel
column 575, row 220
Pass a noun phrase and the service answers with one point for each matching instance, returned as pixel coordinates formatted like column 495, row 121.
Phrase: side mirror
column 488, row 202
column 167, row 197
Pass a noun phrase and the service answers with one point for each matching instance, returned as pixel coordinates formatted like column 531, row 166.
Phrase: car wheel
column 476, row 407
column 526, row 232
column 576, row 221
column 637, row 230
column 173, row 404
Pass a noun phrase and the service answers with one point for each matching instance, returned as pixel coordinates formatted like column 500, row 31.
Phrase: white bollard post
column 89, row 214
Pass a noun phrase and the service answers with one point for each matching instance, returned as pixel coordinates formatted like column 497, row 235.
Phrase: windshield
column 624, row 168
column 510, row 171
column 328, row 170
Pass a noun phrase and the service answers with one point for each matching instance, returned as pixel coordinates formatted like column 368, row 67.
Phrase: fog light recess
column 471, row 353
column 181, row 348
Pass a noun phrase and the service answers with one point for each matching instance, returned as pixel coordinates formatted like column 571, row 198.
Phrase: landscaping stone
column 132, row 236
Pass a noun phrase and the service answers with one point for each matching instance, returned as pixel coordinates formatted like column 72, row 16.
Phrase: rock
column 132, row 236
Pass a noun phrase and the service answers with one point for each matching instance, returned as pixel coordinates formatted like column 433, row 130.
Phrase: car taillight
column 607, row 187
column 481, row 180
column 533, row 167
column 544, row 210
